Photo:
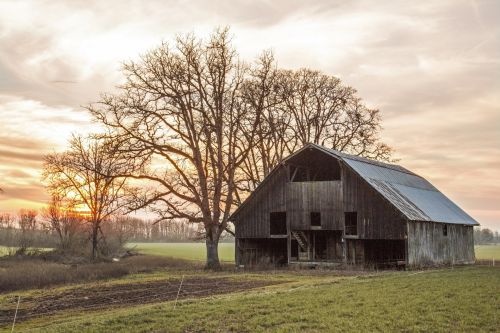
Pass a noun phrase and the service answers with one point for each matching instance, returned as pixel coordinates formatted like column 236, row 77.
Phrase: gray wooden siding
column 377, row 218
column 253, row 220
column 427, row 245
column 324, row 197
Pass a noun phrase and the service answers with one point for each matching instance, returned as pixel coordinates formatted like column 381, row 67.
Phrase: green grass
column 190, row 251
column 463, row 299
column 488, row 251
column 4, row 250
column 197, row 251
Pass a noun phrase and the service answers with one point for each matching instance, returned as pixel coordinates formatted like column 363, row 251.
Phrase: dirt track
column 103, row 297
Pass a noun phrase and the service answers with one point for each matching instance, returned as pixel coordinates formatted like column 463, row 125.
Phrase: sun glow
column 438, row 94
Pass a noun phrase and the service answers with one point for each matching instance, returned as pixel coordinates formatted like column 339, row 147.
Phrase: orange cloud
column 431, row 67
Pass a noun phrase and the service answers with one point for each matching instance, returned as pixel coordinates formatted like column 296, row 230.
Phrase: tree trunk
column 94, row 242
column 212, row 243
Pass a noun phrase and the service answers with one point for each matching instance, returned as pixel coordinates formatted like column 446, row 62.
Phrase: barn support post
column 289, row 248
column 407, row 259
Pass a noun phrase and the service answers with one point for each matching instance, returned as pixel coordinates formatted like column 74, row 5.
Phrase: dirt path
column 120, row 295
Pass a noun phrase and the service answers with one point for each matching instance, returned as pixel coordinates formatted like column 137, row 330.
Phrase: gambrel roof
column 412, row 195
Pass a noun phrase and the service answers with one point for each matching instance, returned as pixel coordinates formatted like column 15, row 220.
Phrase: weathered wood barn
column 321, row 206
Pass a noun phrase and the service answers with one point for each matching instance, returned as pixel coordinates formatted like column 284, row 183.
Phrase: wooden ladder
column 301, row 239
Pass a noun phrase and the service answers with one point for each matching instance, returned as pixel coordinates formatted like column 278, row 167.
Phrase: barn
column 323, row 207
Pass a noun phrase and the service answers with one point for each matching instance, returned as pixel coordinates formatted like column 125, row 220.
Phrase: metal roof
column 414, row 196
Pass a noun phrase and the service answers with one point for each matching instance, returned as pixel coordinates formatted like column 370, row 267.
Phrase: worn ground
column 102, row 296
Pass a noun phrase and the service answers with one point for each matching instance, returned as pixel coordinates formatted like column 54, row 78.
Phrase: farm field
column 3, row 250
column 488, row 251
column 460, row 299
column 188, row 251
column 463, row 299
column 196, row 251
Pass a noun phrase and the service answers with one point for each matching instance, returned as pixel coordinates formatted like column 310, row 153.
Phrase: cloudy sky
column 432, row 68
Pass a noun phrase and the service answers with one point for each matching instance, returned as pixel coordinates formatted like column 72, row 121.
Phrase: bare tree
column 203, row 129
column 8, row 234
column 86, row 174
column 184, row 106
column 307, row 106
column 274, row 140
column 6, row 221
column 63, row 219
column 27, row 223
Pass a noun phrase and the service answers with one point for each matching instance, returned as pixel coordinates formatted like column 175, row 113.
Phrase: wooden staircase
column 301, row 239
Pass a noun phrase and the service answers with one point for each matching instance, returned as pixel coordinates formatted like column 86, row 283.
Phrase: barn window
column 445, row 230
column 277, row 222
column 351, row 223
column 315, row 219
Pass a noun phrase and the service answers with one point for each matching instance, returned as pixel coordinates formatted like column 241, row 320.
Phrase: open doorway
column 316, row 245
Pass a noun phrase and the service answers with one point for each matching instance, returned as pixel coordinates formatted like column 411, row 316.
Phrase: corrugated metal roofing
column 414, row 196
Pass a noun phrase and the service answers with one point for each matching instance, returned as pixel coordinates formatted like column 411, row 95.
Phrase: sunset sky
column 432, row 68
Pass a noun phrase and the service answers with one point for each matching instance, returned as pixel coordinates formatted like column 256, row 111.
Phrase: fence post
column 178, row 291
column 15, row 315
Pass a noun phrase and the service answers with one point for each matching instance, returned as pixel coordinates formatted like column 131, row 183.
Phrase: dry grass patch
column 35, row 272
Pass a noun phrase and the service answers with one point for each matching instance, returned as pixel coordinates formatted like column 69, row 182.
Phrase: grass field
column 189, row 251
column 463, row 299
column 4, row 251
column 196, row 251
column 488, row 252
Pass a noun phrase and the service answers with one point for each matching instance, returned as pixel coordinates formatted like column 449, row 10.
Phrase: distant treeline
column 486, row 236
column 30, row 228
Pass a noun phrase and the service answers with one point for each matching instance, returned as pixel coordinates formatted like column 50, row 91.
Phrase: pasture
column 196, row 251
column 4, row 251
column 179, row 296
column 485, row 252
column 463, row 299
column 188, row 251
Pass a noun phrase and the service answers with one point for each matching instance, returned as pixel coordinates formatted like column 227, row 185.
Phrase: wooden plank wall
column 427, row 245
column 377, row 218
column 306, row 197
column 253, row 220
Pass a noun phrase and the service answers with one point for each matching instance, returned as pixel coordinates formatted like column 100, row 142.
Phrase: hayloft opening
column 445, row 230
column 312, row 165
column 351, row 223
column 277, row 223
